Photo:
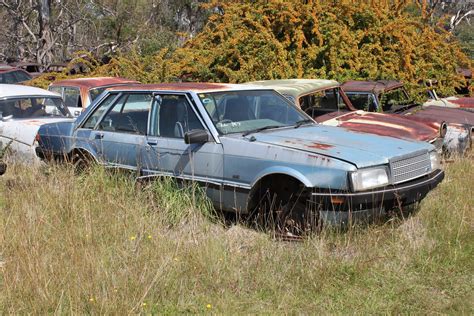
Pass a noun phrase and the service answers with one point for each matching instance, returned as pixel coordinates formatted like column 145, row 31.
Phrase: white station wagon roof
column 296, row 87
column 14, row 90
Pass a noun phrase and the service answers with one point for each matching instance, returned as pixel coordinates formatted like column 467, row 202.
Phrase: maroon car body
column 389, row 96
column 79, row 93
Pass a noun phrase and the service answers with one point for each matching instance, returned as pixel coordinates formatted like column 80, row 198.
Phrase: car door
column 122, row 130
column 165, row 151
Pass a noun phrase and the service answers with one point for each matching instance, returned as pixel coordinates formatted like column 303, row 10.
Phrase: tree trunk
column 45, row 42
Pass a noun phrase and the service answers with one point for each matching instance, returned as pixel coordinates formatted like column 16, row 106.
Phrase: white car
column 23, row 110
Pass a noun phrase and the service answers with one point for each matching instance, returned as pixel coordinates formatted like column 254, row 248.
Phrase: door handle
column 152, row 143
column 99, row 136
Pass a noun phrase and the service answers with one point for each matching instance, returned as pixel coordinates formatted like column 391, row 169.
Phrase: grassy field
column 97, row 243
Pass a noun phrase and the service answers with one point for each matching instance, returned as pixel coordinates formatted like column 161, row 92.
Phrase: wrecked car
column 464, row 103
column 12, row 75
column 252, row 150
column 389, row 96
column 23, row 110
column 32, row 68
column 326, row 103
column 79, row 93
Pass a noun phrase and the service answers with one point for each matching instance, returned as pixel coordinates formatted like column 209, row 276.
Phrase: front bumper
column 341, row 206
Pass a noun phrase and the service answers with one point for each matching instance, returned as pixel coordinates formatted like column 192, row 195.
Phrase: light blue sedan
column 251, row 149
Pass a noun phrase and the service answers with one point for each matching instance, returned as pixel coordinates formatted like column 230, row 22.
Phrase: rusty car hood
column 381, row 124
column 464, row 103
column 362, row 150
column 441, row 114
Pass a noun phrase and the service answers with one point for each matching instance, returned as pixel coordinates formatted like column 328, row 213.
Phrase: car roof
column 5, row 69
column 376, row 86
column 14, row 90
column 198, row 87
column 297, row 87
column 93, row 82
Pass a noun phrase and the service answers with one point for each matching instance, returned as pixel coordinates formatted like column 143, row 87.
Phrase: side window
column 72, row 97
column 56, row 90
column 21, row 76
column 320, row 103
column 10, row 78
column 363, row 101
column 129, row 114
column 94, row 118
column 173, row 116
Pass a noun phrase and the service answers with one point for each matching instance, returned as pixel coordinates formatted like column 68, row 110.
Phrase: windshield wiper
column 305, row 121
column 261, row 129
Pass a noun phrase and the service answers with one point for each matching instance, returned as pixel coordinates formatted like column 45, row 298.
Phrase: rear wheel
column 81, row 161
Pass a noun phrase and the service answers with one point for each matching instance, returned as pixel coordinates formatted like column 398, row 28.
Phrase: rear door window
column 72, row 97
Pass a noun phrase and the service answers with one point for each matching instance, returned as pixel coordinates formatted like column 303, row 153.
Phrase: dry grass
column 99, row 244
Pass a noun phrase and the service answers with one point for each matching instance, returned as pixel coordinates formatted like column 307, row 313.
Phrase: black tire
column 284, row 210
column 81, row 162
column 3, row 168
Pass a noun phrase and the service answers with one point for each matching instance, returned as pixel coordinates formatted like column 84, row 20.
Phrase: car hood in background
column 382, row 124
column 362, row 150
column 441, row 114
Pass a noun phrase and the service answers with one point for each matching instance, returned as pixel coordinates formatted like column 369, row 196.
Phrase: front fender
column 282, row 170
column 310, row 177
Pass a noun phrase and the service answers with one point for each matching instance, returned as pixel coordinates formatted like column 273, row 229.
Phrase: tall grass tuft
column 100, row 243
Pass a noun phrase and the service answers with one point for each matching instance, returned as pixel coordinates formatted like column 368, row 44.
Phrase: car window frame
column 191, row 103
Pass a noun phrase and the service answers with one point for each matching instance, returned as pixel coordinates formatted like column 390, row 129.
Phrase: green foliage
column 245, row 41
column 275, row 39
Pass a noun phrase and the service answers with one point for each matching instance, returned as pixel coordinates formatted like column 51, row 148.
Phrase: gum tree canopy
column 340, row 40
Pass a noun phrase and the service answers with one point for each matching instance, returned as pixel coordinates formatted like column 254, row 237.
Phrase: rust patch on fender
column 320, row 146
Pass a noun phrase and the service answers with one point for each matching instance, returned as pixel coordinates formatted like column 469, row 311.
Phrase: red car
column 389, row 96
column 79, row 93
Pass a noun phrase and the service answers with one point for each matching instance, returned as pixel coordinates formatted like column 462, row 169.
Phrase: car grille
column 406, row 169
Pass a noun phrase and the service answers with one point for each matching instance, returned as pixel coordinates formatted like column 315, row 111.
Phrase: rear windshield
column 29, row 107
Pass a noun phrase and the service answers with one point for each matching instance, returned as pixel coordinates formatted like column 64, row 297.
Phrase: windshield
column 28, row 107
column 245, row 111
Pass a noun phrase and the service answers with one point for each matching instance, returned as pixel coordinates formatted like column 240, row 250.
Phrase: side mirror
column 196, row 136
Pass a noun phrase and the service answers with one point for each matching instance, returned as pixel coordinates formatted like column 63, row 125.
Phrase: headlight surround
column 364, row 179
column 435, row 161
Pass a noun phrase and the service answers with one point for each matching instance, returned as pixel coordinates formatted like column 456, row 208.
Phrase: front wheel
column 284, row 209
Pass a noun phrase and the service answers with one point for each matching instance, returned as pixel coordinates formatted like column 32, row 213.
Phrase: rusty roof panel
column 377, row 86
column 93, row 82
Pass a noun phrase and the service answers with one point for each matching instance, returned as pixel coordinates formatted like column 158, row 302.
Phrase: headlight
column 435, row 162
column 365, row 179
